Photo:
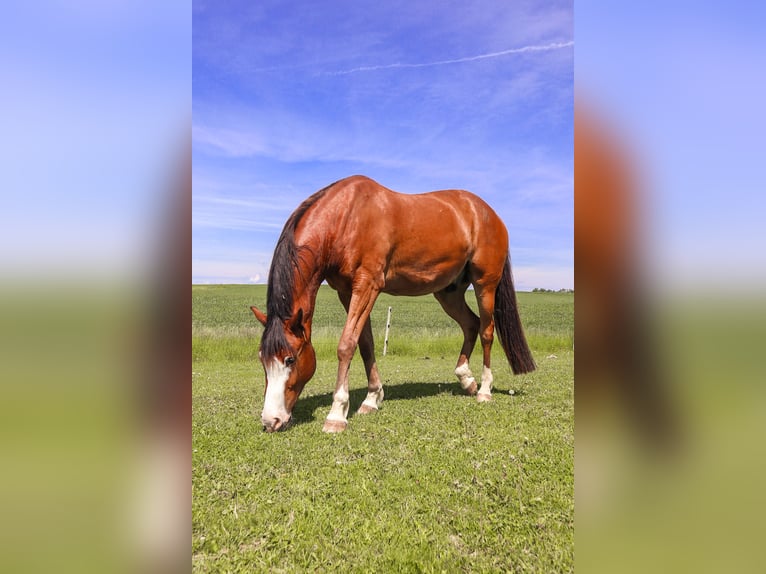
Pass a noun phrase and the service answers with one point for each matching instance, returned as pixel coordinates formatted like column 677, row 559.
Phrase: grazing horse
column 364, row 239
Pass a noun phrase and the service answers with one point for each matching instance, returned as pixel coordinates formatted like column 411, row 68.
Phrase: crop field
column 433, row 482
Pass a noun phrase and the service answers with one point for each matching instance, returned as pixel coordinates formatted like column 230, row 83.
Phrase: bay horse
column 365, row 239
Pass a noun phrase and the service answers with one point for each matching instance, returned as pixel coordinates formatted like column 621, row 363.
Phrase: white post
column 388, row 326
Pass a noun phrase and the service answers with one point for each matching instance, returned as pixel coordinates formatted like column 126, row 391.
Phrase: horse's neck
column 307, row 296
column 308, row 278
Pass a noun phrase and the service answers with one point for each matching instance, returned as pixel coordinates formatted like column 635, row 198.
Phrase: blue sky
column 95, row 111
column 288, row 97
column 684, row 86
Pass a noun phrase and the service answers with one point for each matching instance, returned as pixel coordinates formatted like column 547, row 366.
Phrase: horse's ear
column 296, row 325
column 260, row 315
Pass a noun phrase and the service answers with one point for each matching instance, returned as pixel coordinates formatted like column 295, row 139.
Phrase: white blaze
column 277, row 374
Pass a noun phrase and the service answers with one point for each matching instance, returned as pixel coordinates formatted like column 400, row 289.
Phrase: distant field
column 433, row 482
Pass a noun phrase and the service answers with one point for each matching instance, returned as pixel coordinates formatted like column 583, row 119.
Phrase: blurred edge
column 95, row 259
column 95, row 413
column 669, row 274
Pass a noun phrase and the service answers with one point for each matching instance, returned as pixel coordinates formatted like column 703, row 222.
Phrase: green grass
column 432, row 482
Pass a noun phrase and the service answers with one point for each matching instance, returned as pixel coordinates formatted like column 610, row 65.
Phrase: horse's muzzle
column 277, row 425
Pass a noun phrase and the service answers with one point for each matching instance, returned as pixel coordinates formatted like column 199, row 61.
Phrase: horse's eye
column 290, row 360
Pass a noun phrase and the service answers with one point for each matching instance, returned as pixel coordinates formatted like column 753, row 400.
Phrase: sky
column 95, row 111
column 288, row 98
column 685, row 92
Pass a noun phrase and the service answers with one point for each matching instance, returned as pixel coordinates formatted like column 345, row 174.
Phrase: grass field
column 433, row 482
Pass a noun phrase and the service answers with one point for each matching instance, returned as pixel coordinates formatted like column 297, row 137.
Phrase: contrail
column 546, row 47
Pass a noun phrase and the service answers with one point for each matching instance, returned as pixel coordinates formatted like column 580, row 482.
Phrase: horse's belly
column 423, row 278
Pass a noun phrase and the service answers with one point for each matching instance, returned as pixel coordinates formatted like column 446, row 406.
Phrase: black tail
column 508, row 325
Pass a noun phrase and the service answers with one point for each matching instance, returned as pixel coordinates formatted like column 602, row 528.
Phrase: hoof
column 334, row 426
column 471, row 389
column 483, row 398
column 366, row 409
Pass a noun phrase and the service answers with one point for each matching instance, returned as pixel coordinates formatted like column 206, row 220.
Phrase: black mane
column 281, row 283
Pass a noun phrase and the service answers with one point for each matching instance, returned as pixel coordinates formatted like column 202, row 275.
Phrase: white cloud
column 235, row 143
column 254, row 210
column 522, row 50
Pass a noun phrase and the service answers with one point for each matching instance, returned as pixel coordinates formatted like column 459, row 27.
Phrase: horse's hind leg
column 453, row 302
column 485, row 297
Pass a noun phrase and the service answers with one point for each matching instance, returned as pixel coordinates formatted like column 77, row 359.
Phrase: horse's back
column 450, row 211
column 417, row 243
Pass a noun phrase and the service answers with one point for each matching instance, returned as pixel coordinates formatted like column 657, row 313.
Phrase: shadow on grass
column 305, row 409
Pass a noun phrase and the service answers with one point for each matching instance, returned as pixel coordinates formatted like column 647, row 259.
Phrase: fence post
column 388, row 326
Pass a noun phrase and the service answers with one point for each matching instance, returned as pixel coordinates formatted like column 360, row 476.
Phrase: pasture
column 433, row 482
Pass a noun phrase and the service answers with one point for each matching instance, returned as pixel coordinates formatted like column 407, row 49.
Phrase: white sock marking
column 339, row 409
column 486, row 382
column 374, row 398
column 464, row 375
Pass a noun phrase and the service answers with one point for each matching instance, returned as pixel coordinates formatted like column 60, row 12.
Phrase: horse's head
column 289, row 362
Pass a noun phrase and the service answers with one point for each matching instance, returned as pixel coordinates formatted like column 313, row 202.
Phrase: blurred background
column 669, row 278
column 95, row 263
column 95, row 256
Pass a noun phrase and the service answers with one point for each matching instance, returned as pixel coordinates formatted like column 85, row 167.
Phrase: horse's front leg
column 360, row 305
column 374, row 386
column 367, row 349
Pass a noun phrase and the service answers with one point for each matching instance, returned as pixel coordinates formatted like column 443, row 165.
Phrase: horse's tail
column 508, row 325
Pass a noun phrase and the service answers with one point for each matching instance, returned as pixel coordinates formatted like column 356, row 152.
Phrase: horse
column 364, row 239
